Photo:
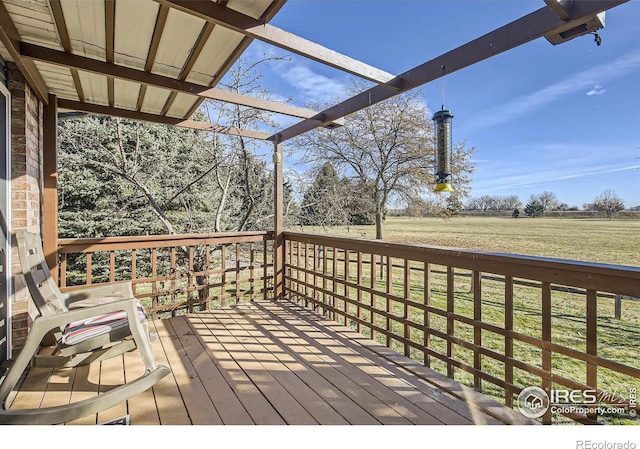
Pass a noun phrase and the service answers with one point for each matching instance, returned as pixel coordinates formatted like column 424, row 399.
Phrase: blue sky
column 563, row 118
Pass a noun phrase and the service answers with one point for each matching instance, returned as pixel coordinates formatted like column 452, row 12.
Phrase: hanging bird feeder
column 442, row 121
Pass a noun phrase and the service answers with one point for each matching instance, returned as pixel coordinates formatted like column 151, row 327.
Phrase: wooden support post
column 50, row 185
column 278, row 222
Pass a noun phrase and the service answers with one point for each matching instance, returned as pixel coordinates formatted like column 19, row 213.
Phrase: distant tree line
column 538, row 204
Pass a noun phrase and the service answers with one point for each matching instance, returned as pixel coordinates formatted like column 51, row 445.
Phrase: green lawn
column 592, row 240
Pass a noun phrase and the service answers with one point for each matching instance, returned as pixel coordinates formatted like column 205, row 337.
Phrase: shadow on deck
column 270, row 363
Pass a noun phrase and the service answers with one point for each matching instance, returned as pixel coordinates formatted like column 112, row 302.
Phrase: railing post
column 477, row 331
column 359, row 292
column 508, row 341
column 324, row 280
column 389, row 289
column 546, row 337
column 427, row 318
column 592, row 340
column 407, row 310
column 618, row 307
column 450, row 321
column 347, row 306
column 278, row 222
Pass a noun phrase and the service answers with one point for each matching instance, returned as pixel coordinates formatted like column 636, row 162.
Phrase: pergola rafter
column 228, row 18
column 75, row 63
column 155, row 118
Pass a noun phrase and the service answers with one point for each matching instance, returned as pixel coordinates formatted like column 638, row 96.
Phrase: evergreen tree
column 534, row 209
column 323, row 202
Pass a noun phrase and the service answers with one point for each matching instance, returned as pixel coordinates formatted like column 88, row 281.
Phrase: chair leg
column 140, row 333
column 30, row 348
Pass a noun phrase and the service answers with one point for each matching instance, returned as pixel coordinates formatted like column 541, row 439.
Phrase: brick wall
column 26, row 186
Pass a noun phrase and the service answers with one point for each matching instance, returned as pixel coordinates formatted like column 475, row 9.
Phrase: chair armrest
column 100, row 294
column 129, row 305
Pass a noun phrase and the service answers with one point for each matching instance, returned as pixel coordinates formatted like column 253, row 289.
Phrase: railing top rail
column 620, row 279
column 75, row 245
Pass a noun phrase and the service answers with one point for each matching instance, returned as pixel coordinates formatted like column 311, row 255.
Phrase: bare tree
column 388, row 147
column 608, row 202
column 548, row 200
column 234, row 156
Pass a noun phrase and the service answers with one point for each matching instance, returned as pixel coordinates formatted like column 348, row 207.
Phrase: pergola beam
column 75, row 62
column 528, row 28
column 155, row 118
column 257, row 29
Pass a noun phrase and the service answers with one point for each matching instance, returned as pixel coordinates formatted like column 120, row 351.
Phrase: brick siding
column 26, row 187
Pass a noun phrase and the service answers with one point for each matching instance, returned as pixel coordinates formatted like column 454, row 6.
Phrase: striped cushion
column 82, row 330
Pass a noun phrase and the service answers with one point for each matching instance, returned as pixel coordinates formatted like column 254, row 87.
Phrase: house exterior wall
column 26, row 187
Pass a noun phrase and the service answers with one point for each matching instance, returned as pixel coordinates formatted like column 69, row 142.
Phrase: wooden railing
column 171, row 273
column 498, row 323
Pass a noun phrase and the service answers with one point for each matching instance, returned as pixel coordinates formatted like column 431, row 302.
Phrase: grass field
column 591, row 240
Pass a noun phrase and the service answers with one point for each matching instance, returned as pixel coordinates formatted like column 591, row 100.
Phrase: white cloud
column 543, row 164
column 597, row 90
column 313, row 85
column 578, row 82
column 530, row 179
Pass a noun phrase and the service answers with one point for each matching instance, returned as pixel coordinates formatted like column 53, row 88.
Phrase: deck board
column 336, row 372
column 232, row 411
column 447, row 408
column 268, row 363
column 198, row 405
column 379, row 383
column 85, row 386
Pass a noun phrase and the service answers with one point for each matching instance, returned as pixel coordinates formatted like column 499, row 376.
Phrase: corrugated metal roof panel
column 253, row 9
column 134, row 24
column 181, row 105
column 85, row 22
column 216, row 51
column 94, row 88
column 58, row 79
column 125, row 94
column 34, row 23
column 154, row 100
column 180, row 34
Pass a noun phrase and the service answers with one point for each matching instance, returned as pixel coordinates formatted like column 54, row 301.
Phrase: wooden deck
column 269, row 363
